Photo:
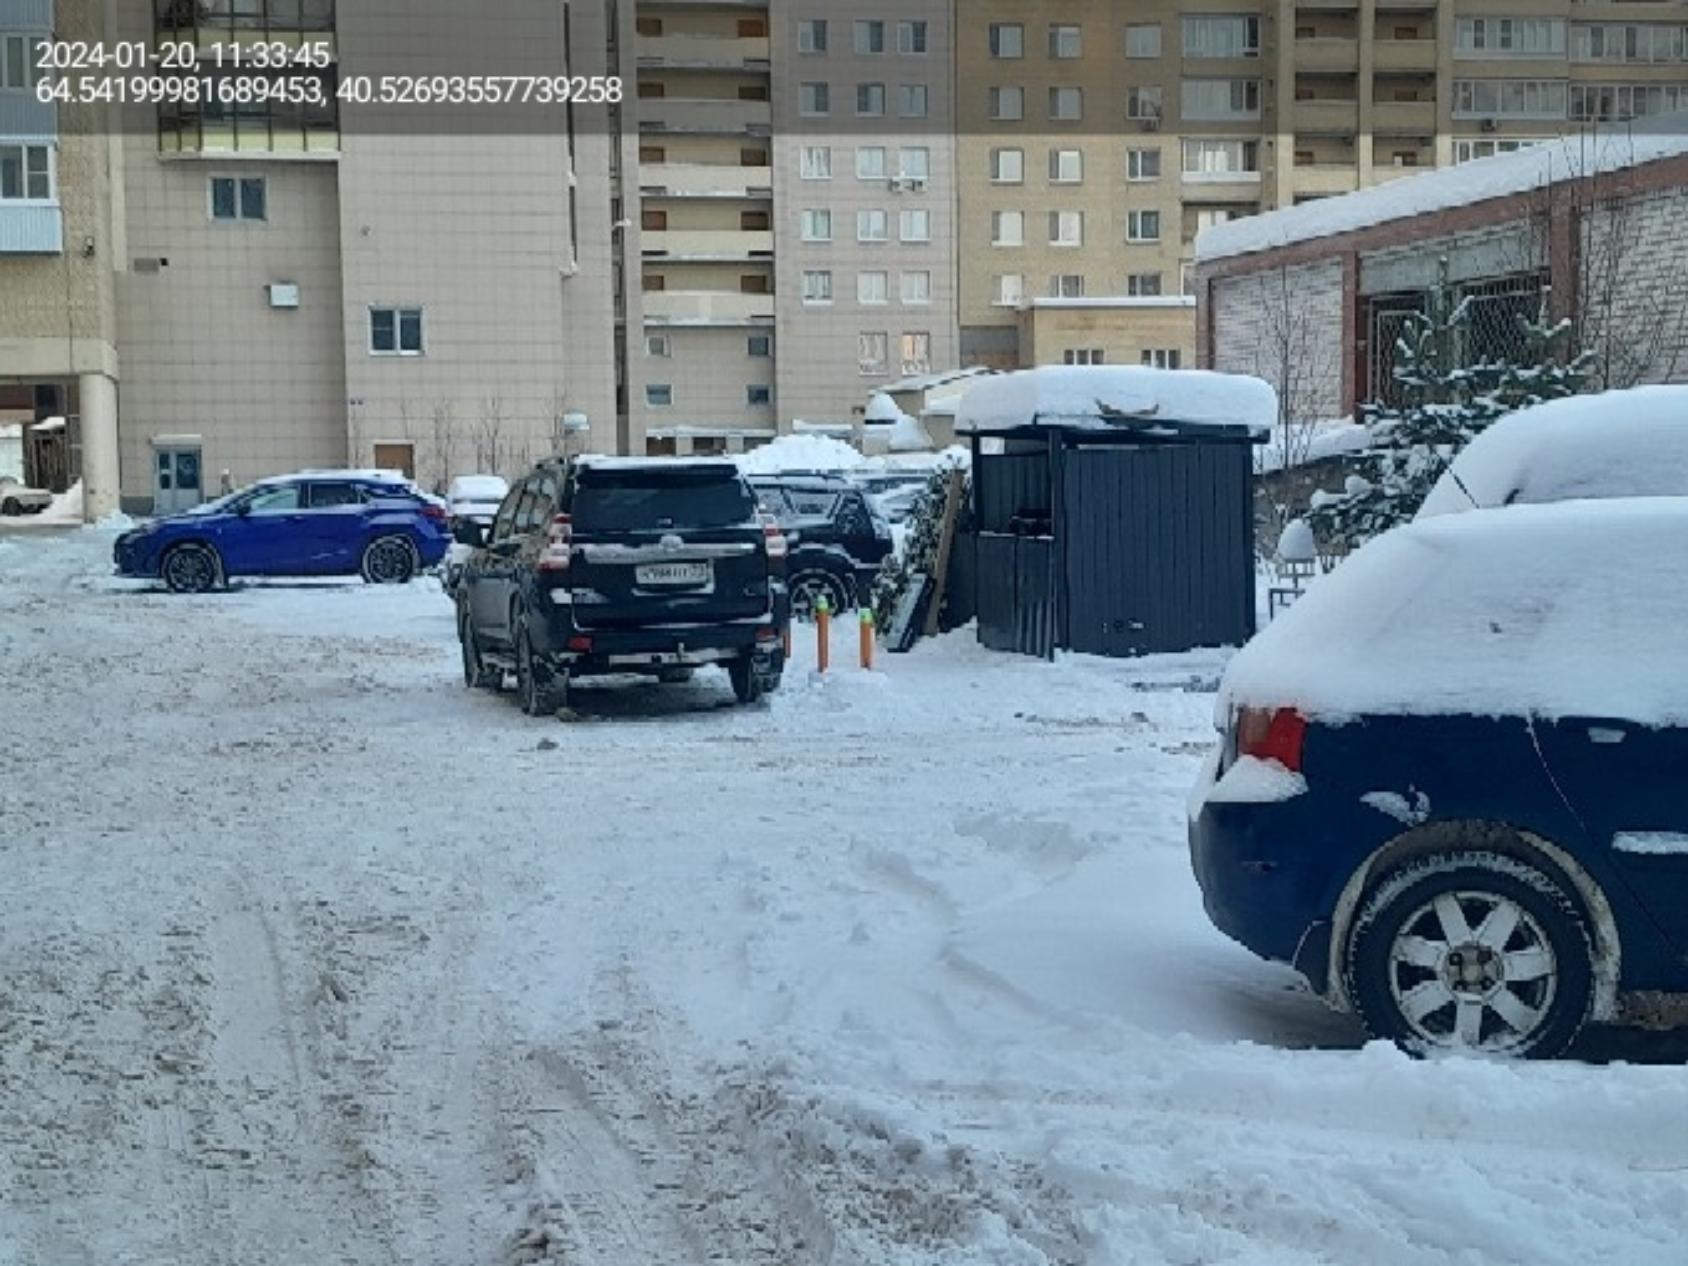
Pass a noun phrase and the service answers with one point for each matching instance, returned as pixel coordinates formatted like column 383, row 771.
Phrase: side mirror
column 468, row 532
column 243, row 509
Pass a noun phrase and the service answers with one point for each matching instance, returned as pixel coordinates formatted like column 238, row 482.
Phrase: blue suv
column 1452, row 789
column 329, row 523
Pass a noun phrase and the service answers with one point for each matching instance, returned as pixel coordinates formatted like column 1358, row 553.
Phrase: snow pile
column 1558, row 610
column 1296, row 543
column 1083, row 395
column 1477, row 181
column 1618, row 444
column 66, row 507
column 1303, row 446
column 800, row 452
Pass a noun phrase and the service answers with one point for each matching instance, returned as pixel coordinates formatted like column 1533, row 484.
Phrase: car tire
column 541, row 690
column 11, row 507
column 477, row 674
column 389, row 560
column 191, row 568
column 808, row 584
column 1472, row 952
column 748, row 684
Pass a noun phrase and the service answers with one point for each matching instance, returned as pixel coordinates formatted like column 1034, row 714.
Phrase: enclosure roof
column 1106, row 398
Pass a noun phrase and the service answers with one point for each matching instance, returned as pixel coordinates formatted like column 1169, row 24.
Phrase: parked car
column 837, row 539
column 1450, row 787
column 469, row 497
column 17, row 499
column 315, row 523
column 599, row 565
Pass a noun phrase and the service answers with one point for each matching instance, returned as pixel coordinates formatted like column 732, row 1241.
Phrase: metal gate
column 1016, row 593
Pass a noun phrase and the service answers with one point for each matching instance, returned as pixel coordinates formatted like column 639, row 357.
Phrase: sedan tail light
column 1271, row 734
column 559, row 542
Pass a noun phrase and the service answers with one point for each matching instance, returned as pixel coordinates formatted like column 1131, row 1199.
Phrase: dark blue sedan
column 332, row 523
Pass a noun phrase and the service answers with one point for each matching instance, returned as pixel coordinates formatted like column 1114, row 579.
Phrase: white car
column 475, row 498
column 16, row 498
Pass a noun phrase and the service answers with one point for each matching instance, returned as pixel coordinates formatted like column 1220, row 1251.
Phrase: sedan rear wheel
column 11, row 507
column 190, row 568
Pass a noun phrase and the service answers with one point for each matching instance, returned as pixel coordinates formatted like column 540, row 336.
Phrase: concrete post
column 100, row 472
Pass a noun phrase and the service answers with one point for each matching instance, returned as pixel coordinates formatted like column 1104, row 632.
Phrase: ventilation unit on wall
column 284, row 294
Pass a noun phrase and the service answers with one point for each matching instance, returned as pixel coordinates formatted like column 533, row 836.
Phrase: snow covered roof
column 1617, row 444
column 809, row 452
column 881, row 408
column 925, row 382
column 482, row 486
column 597, row 461
column 1573, row 609
column 1664, row 136
column 1094, row 395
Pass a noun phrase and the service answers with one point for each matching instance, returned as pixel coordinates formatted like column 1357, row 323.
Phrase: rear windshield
column 631, row 500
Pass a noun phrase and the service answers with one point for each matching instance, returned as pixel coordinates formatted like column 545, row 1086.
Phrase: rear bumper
column 654, row 648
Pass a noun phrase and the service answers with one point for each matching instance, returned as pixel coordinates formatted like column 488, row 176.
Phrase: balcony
column 707, row 307
column 1327, row 118
column 704, row 180
column 31, row 230
column 707, row 244
column 702, row 52
column 1221, row 186
column 1339, row 6
column 1408, row 118
column 1404, row 56
column 1325, row 178
column 1328, row 55
column 705, row 115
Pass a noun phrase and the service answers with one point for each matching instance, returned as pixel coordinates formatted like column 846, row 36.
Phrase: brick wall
column 1285, row 325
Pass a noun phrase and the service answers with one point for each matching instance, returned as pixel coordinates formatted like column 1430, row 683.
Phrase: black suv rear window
column 630, row 500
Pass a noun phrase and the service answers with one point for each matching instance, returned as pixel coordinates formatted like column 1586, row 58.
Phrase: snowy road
column 307, row 955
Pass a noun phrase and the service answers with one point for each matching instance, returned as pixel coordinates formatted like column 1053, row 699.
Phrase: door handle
column 1606, row 735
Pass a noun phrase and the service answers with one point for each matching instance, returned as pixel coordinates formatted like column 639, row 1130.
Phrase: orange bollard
column 867, row 638
column 823, row 633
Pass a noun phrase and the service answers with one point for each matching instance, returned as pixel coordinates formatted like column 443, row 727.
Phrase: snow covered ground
column 309, row 955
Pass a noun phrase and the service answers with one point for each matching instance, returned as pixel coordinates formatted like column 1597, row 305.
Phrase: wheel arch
column 1432, row 838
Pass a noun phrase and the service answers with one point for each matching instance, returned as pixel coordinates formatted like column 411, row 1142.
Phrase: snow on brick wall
column 1285, row 325
column 1634, row 281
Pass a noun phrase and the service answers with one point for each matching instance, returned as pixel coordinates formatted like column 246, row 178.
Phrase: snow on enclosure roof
column 598, row 461
column 1664, row 136
column 1081, row 396
column 1575, row 609
column 1630, row 443
column 925, row 382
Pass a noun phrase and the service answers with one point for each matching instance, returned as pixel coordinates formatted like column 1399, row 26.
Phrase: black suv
column 837, row 540
column 623, row 565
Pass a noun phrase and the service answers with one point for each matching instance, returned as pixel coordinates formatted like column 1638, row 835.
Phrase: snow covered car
column 17, row 499
column 1631, row 443
column 1450, row 790
column 316, row 523
column 469, row 498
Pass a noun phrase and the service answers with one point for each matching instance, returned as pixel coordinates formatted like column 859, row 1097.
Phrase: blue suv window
column 282, row 499
column 329, row 496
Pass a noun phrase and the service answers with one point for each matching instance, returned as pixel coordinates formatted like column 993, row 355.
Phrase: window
column 915, row 287
column 1143, row 40
column 873, row 353
column 758, row 393
column 659, row 345
column 1142, row 164
column 1008, row 228
column 870, row 37
column 817, row 286
column 1008, row 104
column 1215, row 36
column 244, row 198
column 1066, row 105
column 281, row 499
column 1008, row 166
column 914, row 162
column 873, row 225
column 659, row 395
column 1142, row 226
column 815, row 162
column 911, row 39
column 1207, row 217
column 817, row 225
column 873, row 287
column 1221, row 159
column 1143, row 285
column 326, row 496
column 870, row 100
column 1465, row 151
column 1066, row 286
column 1629, row 42
column 26, row 173
column 1217, row 99
column 1010, row 290
column 1619, row 102
column 913, row 101
column 915, row 226
column 1515, row 98
column 759, row 346
column 1008, row 40
column 1083, row 356
column 1509, row 37
column 814, row 100
column 1066, row 166
column 1066, row 228
column 917, row 353
column 395, row 331
column 1066, row 42
column 1143, row 103
column 870, row 162
column 811, row 36
column 1161, row 357
column 653, row 220
column 18, row 57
